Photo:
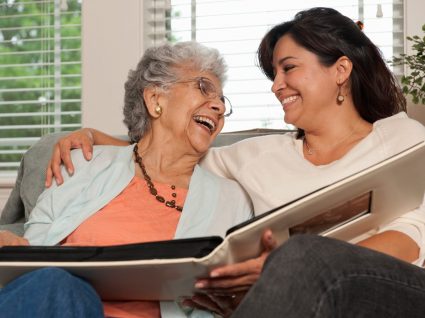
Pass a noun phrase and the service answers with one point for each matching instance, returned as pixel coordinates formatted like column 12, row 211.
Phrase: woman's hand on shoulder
column 7, row 238
column 231, row 281
column 83, row 139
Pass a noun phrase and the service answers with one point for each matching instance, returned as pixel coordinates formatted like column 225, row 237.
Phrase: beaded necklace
column 151, row 186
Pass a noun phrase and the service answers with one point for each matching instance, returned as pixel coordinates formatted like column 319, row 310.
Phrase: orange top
column 134, row 216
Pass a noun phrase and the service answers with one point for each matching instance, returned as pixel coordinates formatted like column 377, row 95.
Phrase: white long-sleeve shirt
column 273, row 170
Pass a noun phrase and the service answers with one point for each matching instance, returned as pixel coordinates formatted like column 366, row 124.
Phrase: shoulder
column 102, row 154
column 255, row 145
column 400, row 124
column 396, row 133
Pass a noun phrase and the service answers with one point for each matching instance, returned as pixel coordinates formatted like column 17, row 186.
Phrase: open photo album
column 167, row 270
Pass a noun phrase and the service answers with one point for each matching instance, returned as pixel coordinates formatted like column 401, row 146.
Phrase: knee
column 298, row 247
column 45, row 276
column 312, row 254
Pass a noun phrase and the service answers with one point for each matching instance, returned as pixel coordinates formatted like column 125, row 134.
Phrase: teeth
column 205, row 121
column 289, row 99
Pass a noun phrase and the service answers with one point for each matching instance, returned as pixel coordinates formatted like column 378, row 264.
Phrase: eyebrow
column 282, row 60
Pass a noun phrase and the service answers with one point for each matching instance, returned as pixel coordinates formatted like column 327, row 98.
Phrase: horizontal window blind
column 235, row 28
column 40, row 73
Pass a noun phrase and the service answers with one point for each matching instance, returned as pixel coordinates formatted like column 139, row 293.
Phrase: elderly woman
column 335, row 87
column 153, row 189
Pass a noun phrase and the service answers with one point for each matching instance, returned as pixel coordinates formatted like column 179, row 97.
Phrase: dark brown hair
column 330, row 35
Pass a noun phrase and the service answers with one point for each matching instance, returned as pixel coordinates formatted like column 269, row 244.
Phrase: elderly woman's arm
column 85, row 139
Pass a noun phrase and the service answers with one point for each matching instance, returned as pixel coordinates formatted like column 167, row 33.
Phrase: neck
column 335, row 140
column 167, row 163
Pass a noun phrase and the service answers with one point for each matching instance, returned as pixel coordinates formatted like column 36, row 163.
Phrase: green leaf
column 415, row 99
column 404, row 80
column 405, row 90
column 423, row 28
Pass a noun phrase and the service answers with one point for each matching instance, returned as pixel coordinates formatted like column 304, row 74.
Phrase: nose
column 217, row 105
column 278, row 83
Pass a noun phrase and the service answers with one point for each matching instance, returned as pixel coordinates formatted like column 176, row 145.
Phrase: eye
column 288, row 67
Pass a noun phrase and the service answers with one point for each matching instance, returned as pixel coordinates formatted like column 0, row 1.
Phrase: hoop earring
column 339, row 98
column 158, row 110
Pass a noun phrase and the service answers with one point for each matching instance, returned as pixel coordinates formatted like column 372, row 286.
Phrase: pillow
column 29, row 184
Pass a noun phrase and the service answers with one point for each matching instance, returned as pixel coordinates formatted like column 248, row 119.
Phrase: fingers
column 87, row 150
column 226, row 286
column 55, row 164
column 65, row 156
column 233, row 278
column 49, row 175
column 250, row 266
column 223, row 306
column 62, row 154
column 8, row 238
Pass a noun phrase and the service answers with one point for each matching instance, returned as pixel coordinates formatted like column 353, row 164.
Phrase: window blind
column 40, row 73
column 235, row 28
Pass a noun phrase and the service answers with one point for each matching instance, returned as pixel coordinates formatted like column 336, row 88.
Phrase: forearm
column 393, row 243
column 100, row 138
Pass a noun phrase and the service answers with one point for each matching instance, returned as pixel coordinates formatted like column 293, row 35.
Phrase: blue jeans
column 49, row 292
column 312, row 276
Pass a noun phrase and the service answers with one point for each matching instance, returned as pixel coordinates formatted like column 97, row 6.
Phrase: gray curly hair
column 159, row 67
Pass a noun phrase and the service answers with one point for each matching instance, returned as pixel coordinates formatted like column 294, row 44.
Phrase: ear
column 344, row 66
column 151, row 96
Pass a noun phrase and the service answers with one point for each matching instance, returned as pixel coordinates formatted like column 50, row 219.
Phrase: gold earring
column 158, row 110
column 339, row 98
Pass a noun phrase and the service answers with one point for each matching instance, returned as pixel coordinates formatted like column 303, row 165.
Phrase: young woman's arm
column 85, row 139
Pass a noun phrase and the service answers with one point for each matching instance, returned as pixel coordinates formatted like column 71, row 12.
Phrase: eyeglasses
column 209, row 91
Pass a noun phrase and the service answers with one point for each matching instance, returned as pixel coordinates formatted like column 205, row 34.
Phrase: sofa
column 31, row 174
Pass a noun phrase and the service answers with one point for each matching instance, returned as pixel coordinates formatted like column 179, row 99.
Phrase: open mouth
column 205, row 122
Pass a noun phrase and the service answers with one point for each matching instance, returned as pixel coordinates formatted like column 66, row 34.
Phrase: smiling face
column 306, row 89
column 192, row 119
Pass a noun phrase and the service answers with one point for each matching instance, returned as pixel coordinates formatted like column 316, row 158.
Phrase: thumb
column 268, row 240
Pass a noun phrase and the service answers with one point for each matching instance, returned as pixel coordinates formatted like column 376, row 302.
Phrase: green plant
column 414, row 83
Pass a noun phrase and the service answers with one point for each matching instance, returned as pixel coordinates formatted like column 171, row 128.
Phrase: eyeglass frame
column 200, row 81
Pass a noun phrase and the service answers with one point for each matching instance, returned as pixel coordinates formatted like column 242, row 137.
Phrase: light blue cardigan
column 213, row 204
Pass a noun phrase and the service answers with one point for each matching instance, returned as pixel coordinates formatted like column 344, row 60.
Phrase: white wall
column 109, row 51
column 414, row 19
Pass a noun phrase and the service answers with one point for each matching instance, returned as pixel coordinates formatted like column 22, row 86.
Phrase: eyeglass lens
column 208, row 89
